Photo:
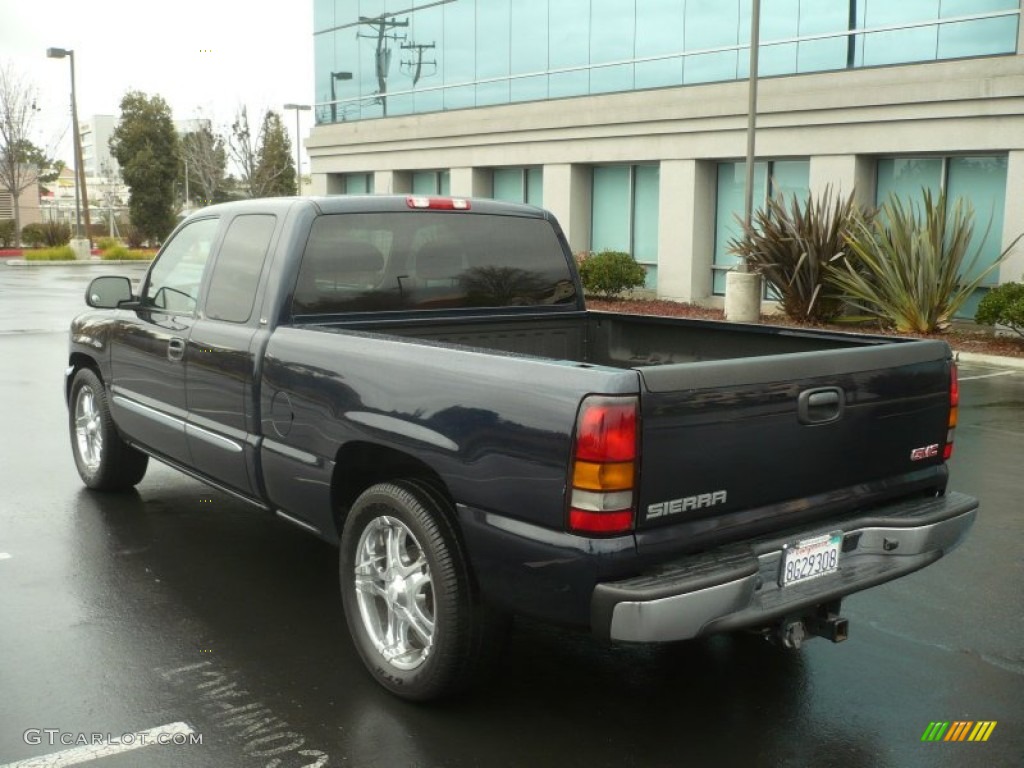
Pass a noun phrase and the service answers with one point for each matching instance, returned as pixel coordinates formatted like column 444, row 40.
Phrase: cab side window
column 174, row 281
column 236, row 274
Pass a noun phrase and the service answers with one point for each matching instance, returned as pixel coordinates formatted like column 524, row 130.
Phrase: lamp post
column 60, row 53
column 334, row 96
column 743, row 287
column 298, row 145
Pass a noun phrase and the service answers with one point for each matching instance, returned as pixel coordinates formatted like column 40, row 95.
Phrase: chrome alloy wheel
column 88, row 428
column 395, row 593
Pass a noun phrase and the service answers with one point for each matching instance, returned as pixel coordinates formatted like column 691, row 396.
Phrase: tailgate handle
column 820, row 406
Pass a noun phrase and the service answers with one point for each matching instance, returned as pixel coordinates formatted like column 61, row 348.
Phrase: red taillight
column 603, row 476
column 437, row 203
column 954, row 411
column 606, row 430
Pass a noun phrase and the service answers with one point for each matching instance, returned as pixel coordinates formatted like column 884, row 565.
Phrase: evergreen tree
column 275, row 165
column 147, row 149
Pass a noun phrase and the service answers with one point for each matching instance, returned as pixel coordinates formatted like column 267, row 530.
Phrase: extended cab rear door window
column 236, row 274
column 372, row 262
column 174, row 281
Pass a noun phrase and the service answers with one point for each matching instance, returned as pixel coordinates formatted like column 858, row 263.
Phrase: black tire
column 431, row 587
column 105, row 462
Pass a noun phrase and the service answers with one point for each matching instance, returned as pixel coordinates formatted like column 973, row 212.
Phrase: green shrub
column 120, row 253
column 32, row 234
column 792, row 246
column 1003, row 306
column 911, row 267
column 114, row 252
column 131, row 234
column 610, row 272
column 55, row 233
column 106, row 243
column 59, row 253
column 7, row 233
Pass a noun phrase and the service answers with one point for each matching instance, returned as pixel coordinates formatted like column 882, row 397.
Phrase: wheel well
column 359, row 465
column 78, row 361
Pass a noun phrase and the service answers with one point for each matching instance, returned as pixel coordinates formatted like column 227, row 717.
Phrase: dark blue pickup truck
column 418, row 380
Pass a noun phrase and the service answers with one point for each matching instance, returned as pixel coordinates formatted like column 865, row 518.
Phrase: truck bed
column 616, row 340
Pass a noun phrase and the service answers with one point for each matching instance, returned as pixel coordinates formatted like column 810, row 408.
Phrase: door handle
column 820, row 406
column 175, row 349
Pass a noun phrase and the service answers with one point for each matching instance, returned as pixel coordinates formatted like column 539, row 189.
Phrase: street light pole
column 755, row 43
column 60, row 53
column 742, row 286
column 298, row 145
column 334, row 93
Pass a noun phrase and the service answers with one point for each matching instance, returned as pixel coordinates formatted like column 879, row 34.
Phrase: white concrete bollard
column 743, row 297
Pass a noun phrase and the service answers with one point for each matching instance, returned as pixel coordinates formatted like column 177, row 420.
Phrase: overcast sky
column 205, row 57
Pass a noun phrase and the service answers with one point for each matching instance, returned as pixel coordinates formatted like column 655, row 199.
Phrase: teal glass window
column 358, row 183
column 903, row 45
column 612, row 39
column 978, row 180
column 785, row 177
column 907, row 176
column 528, row 50
column 568, row 47
column 780, row 20
column 711, row 24
column 655, row 38
column 983, row 37
column 493, row 40
column 624, row 216
column 982, row 182
column 392, row 57
column 519, row 185
column 431, row 183
column 822, row 17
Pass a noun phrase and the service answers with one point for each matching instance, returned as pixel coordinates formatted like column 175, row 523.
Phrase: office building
column 96, row 157
column 627, row 118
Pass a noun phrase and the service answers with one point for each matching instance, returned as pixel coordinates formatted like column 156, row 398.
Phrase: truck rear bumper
column 737, row 586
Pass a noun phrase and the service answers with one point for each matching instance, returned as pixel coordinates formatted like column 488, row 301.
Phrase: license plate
column 811, row 558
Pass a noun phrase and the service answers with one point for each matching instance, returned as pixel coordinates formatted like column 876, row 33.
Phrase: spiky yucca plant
column 913, row 266
column 792, row 245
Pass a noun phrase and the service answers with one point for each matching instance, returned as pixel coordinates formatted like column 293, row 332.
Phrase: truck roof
column 329, row 204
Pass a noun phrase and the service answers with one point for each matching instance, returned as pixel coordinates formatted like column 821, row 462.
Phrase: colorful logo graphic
column 959, row 730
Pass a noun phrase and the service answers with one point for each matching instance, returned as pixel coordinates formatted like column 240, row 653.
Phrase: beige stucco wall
column 842, row 121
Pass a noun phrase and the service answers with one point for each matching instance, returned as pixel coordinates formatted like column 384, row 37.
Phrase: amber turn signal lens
column 591, row 476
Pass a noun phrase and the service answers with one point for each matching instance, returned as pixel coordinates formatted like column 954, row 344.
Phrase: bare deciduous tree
column 20, row 159
column 205, row 161
column 263, row 160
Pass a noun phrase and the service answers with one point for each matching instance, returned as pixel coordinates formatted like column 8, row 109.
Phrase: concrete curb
column 75, row 263
column 995, row 361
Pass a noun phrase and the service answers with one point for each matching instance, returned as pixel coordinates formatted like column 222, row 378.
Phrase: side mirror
column 108, row 292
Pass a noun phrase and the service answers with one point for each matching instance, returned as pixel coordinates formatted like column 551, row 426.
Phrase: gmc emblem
column 928, row 452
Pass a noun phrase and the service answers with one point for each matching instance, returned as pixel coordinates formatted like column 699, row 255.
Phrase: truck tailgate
column 759, row 444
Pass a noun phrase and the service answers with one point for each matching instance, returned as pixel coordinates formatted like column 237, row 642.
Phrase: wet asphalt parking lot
column 177, row 614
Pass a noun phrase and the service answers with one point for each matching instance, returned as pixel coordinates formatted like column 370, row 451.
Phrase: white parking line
column 5, row 556
column 106, row 747
column 988, row 375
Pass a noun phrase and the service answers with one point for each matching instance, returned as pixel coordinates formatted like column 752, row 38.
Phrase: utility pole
column 382, row 31
column 416, row 67
column 298, row 140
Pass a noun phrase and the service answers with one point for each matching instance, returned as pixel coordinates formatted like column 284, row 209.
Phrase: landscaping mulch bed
column 961, row 339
